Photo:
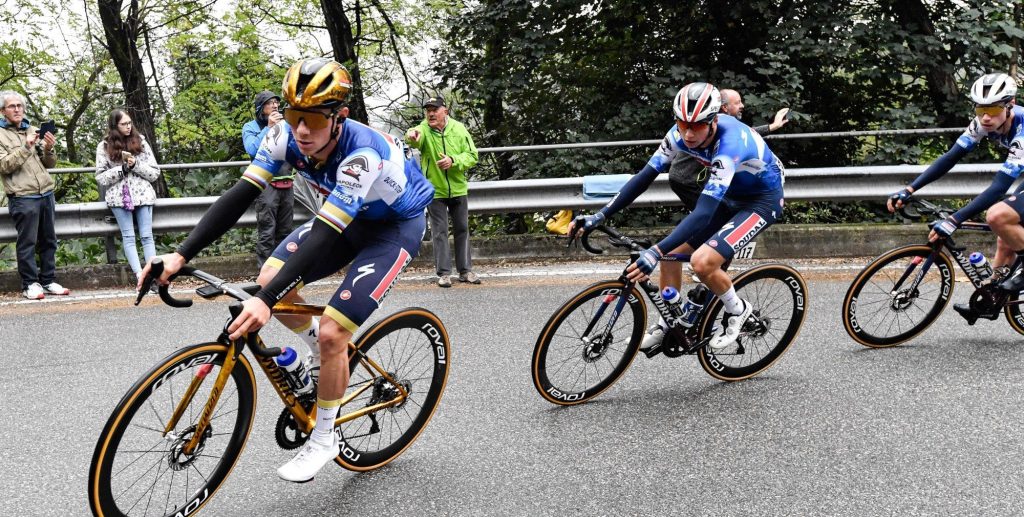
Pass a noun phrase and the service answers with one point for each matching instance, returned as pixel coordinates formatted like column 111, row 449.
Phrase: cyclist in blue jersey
column 997, row 118
column 373, row 219
column 743, row 196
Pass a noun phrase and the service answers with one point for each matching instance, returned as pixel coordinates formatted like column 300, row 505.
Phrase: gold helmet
column 316, row 83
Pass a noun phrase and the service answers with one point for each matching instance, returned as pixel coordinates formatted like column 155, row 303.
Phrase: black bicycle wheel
column 412, row 347
column 138, row 470
column 877, row 313
column 570, row 367
column 1013, row 314
column 778, row 294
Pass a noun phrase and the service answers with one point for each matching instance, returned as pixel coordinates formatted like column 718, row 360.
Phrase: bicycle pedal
column 652, row 351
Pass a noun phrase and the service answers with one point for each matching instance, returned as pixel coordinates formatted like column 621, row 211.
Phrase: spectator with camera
column 275, row 208
column 126, row 168
column 25, row 153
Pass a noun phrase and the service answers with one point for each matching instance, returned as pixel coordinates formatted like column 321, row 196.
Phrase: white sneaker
column 653, row 338
column 55, row 288
column 733, row 324
column 311, row 458
column 34, row 291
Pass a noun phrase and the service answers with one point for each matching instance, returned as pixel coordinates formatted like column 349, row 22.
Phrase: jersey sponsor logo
column 366, row 269
column 355, row 167
column 347, row 199
column 740, row 236
column 1016, row 151
column 291, row 247
column 389, row 181
column 345, row 295
column 713, row 243
column 349, row 184
column 386, row 283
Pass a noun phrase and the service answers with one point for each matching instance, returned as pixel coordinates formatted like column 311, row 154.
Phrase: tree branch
column 394, row 46
column 279, row 21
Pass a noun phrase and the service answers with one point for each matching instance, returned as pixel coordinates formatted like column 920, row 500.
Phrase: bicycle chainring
column 677, row 342
column 287, row 432
column 988, row 299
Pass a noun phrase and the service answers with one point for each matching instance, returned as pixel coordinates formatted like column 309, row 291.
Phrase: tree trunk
column 914, row 17
column 122, row 37
column 495, row 126
column 344, row 46
column 83, row 104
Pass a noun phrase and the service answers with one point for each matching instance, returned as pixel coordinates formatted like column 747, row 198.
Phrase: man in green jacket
column 446, row 153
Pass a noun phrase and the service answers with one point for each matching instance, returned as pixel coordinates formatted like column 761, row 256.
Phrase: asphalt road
column 928, row 428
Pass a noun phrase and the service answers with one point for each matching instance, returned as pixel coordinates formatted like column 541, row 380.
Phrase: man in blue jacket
column 274, row 208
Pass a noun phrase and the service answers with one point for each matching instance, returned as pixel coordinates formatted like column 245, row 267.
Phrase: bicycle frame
column 305, row 419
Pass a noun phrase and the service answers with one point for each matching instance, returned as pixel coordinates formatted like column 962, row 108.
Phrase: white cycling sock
column 732, row 302
column 309, row 334
column 326, row 412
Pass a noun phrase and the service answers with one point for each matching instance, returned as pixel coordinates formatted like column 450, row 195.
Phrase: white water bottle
column 295, row 371
column 981, row 265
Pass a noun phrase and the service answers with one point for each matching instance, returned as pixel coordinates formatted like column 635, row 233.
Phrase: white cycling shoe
column 653, row 338
column 311, row 458
column 731, row 332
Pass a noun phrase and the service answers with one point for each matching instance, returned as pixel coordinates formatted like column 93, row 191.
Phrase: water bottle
column 693, row 306
column 672, row 298
column 295, row 372
column 981, row 265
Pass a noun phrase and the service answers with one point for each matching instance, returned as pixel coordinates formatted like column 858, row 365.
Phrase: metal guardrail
column 539, row 195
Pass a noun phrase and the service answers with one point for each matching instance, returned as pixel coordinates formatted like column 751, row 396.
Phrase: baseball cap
column 434, row 102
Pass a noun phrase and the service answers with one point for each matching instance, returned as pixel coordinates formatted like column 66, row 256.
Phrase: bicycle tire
column 128, row 428
column 1014, row 316
column 557, row 391
column 762, row 348
column 882, row 273
column 401, row 344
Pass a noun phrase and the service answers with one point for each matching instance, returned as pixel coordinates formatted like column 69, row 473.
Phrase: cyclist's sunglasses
column 991, row 110
column 695, row 126
column 314, row 119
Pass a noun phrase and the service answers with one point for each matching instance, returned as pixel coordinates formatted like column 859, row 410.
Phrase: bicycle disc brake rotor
column 177, row 458
column 595, row 348
column 287, row 432
column 903, row 299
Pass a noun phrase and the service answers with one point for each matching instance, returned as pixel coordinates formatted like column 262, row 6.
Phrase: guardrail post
column 111, row 249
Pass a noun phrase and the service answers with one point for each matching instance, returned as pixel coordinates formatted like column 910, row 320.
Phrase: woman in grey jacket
column 125, row 166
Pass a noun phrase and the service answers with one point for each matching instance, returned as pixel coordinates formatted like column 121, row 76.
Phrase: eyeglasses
column 314, row 119
column 127, row 123
column 991, row 110
column 693, row 126
column 15, row 106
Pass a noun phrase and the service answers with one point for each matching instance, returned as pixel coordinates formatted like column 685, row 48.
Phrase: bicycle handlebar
column 236, row 308
column 924, row 208
column 615, row 238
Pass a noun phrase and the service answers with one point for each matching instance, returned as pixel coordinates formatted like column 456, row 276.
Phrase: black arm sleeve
column 988, row 197
column 631, row 190
column 939, row 167
column 224, row 213
column 763, row 130
column 320, row 240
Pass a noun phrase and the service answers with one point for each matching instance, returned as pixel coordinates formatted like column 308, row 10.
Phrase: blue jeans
column 144, row 216
column 34, row 220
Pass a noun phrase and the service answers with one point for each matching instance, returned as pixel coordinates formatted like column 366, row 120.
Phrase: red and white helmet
column 993, row 89
column 697, row 102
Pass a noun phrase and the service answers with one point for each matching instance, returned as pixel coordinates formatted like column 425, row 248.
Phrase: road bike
column 590, row 341
column 902, row 292
column 177, row 433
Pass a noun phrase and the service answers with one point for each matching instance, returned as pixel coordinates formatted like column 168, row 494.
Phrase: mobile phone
column 48, row 127
column 125, row 155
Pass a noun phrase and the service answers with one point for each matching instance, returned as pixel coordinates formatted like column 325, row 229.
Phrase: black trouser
column 275, row 219
column 439, row 210
column 34, row 220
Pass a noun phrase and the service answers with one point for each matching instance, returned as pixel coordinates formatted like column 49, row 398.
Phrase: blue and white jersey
column 367, row 176
column 1012, row 140
column 740, row 162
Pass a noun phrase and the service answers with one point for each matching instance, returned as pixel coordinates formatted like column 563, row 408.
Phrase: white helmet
column 697, row 102
column 993, row 89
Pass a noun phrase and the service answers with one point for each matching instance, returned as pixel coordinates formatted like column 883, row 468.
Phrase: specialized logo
column 745, row 231
column 345, row 295
column 365, row 269
column 355, row 167
column 728, row 226
column 386, row 283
